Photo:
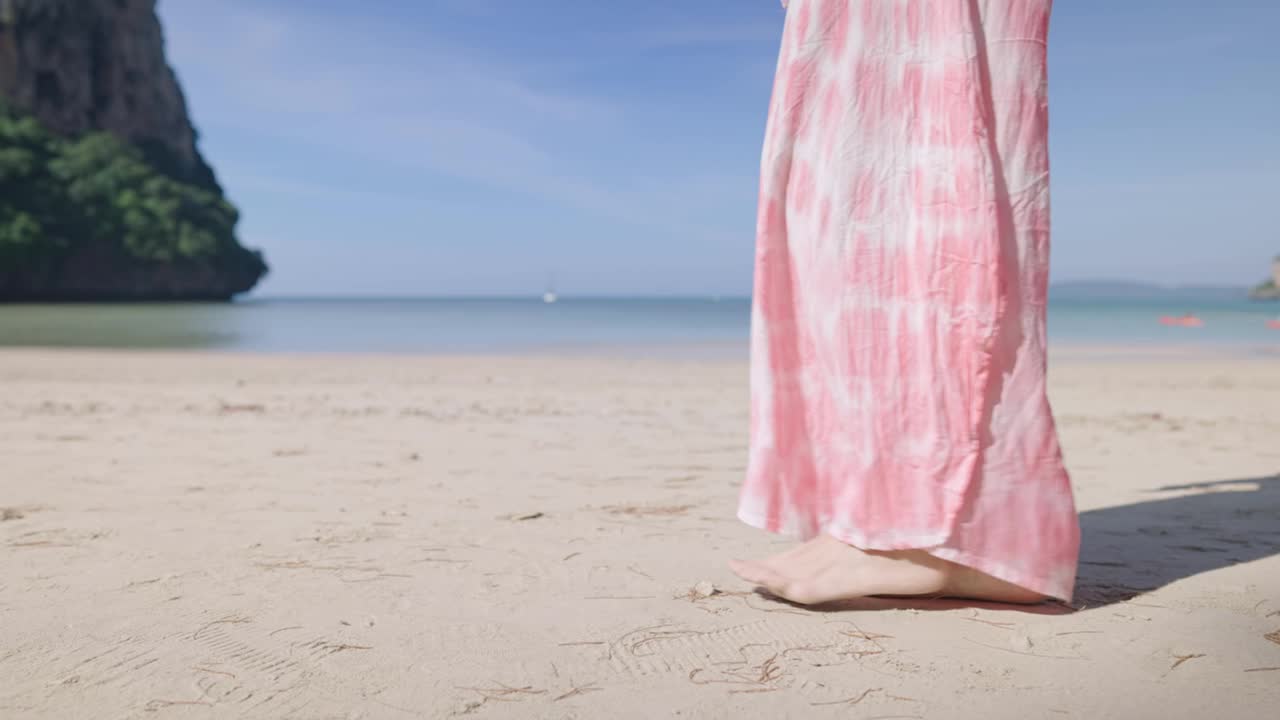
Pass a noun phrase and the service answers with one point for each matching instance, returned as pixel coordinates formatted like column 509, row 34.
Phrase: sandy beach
column 256, row 536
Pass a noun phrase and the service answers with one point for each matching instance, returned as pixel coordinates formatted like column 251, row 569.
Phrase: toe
column 760, row 574
column 749, row 570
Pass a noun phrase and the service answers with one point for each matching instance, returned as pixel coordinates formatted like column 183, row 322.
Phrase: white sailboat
column 549, row 296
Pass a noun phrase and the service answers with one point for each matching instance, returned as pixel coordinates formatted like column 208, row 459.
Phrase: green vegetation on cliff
column 63, row 196
column 1266, row 291
column 1269, row 290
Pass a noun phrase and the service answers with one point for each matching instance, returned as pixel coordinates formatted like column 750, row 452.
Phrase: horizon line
column 1066, row 284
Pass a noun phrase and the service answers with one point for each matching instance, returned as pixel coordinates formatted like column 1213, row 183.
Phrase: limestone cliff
column 80, row 67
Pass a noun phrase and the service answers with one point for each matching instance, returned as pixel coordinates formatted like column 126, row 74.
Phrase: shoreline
column 712, row 351
column 675, row 328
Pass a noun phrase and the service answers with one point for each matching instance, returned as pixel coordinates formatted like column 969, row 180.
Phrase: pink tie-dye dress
column 898, row 329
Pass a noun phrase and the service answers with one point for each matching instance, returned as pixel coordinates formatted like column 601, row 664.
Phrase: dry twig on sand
column 575, row 690
column 849, row 701
column 228, row 620
column 215, row 672
column 651, row 511
column 158, row 703
column 504, row 693
column 860, row 634
column 697, row 594
column 992, row 623
column 758, row 678
column 225, row 408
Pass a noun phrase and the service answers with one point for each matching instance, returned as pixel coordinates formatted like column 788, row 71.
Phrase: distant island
column 1133, row 290
column 1269, row 290
column 1127, row 290
column 103, row 193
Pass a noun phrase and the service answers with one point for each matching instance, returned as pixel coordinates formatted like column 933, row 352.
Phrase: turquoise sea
column 716, row 326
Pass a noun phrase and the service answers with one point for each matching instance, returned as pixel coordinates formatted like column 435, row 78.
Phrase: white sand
column 203, row 535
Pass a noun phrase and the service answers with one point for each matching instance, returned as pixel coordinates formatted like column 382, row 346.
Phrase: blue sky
column 435, row 147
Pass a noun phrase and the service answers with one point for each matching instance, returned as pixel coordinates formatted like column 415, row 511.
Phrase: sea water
column 718, row 326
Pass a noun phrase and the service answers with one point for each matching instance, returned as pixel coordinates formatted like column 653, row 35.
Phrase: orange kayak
column 1273, row 324
column 1181, row 321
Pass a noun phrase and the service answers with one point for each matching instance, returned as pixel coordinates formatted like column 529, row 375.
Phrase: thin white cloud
column 432, row 105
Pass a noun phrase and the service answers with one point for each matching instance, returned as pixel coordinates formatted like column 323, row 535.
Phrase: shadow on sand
column 1128, row 550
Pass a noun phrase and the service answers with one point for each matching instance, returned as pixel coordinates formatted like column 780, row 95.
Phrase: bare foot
column 825, row 569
